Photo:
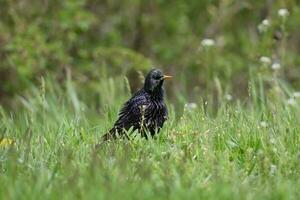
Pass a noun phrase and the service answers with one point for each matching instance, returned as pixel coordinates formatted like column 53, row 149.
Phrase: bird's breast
column 155, row 113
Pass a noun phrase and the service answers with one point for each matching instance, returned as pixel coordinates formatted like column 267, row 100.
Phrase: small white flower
column 273, row 169
column 228, row 97
column 272, row 141
column 296, row 94
column 291, row 101
column 264, row 25
column 283, row 12
column 276, row 66
column 266, row 22
column 21, row 160
column 190, row 106
column 208, row 42
column 265, row 60
column 232, row 144
column 263, row 124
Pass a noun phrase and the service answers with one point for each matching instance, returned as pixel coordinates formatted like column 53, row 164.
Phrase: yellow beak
column 167, row 77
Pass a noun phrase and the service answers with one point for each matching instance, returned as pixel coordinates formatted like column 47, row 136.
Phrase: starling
column 145, row 111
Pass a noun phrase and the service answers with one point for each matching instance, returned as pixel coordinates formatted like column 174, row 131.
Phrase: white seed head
column 208, row 42
column 265, row 60
column 291, row 101
column 143, row 108
column 273, row 169
column 190, row 106
column 264, row 25
column 263, row 124
column 266, row 22
column 272, row 140
column 228, row 97
column 276, row 66
column 283, row 12
column 296, row 94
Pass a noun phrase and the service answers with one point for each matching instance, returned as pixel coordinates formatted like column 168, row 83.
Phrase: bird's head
column 154, row 80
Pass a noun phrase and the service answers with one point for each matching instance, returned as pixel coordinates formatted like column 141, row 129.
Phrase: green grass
column 227, row 154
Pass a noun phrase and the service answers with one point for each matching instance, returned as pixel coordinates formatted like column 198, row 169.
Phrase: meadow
column 242, row 151
column 66, row 68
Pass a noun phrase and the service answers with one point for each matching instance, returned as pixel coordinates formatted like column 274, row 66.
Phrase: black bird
column 145, row 111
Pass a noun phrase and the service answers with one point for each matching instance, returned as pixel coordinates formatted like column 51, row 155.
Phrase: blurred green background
column 66, row 67
column 210, row 47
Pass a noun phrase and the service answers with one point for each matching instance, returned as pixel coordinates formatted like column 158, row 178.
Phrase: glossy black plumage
column 145, row 111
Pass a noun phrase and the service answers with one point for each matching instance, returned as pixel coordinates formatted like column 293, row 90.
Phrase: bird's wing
column 131, row 112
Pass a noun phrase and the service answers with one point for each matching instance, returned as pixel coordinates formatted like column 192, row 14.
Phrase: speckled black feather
column 145, row 111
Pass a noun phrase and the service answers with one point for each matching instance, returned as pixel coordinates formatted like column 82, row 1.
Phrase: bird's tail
column 110, row 135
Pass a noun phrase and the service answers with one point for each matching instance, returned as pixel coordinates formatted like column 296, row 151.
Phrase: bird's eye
column 157, row 77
